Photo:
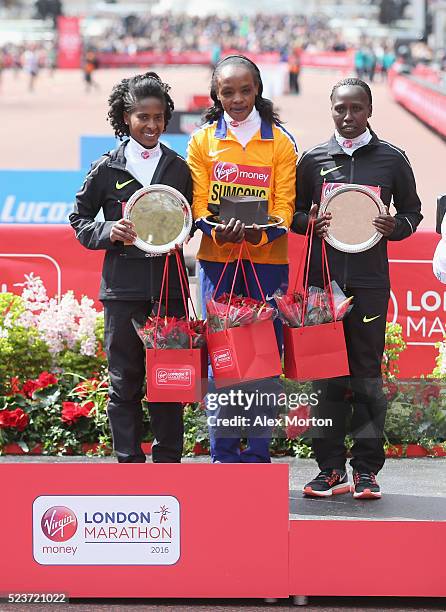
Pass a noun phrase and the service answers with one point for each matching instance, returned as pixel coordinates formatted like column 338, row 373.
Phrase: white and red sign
column 168, row 376
column 222, row 359
column 69, row 45
column 418, row 298
column 426, row 103
column 106, row 530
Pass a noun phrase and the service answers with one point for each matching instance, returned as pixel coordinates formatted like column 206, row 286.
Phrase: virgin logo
column 226, row 172
column 59, row 523
column 222, row 359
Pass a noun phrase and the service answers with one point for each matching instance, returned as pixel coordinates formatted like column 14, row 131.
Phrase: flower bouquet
column 236, row 311
column 318, row 308
column 176, row 358
column 241, row 339
column 171, row 333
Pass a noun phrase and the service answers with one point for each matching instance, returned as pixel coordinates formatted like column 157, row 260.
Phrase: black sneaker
column 365, row 485
column 328, row 482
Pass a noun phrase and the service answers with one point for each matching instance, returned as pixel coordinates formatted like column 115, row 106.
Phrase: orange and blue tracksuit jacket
column 265, row 167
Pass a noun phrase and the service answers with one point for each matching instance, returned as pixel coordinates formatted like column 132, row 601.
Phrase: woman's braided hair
column 263, row 105
column 128, row 93
column 354, row 82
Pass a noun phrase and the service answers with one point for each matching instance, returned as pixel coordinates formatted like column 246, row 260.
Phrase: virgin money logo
column 59, row 523
column 226, row 172
column 222, row 359
column 176, row 377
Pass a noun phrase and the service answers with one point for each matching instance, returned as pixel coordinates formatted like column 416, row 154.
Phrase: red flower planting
column 84, row 388
column 429, row 393
column 17, row 419
column 72, row 412
column 45, row 379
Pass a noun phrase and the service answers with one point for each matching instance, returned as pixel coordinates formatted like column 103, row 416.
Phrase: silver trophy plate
column 353, row 208
column 162, row 218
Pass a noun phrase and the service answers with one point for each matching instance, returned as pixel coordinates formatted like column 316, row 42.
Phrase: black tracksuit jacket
column 379, row 163
column 128, row 273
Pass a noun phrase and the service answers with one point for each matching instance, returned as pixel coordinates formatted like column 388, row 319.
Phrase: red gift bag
column 248, row 352
column 176, row 375
column 317, row 351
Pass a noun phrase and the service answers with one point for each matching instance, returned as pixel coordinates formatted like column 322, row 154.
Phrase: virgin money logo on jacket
column 225, row 172
column 230, row 179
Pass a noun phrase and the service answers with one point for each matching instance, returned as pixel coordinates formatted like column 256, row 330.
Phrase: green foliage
column 416, row 413
column 22, row 352
column 195, row 429
column 394, row 346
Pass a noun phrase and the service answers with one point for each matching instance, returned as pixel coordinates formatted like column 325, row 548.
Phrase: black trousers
column 357, row 398
column 126, row 366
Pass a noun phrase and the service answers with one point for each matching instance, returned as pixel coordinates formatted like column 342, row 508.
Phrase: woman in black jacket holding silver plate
column 355, row 155
column 139, row 107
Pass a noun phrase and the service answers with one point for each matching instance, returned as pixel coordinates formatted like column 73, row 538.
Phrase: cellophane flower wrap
column 241, row 311
column 318, row 308
column 171, row 333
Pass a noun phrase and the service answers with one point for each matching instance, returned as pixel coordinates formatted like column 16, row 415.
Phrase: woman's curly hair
column 128, row 93
column 265, row 107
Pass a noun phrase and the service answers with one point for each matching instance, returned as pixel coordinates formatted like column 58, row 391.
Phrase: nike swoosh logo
column 367, row 319
column 121, row 185
column 215, row 153
column 324, row 172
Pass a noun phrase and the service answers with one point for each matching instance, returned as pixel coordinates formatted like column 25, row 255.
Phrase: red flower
column 72, row 412
column 418, row 415
column 4, row 419
column 29, row 387
column 46, row 379
column 18, row 419
column 429, row 393
column 390, row 389
column 294, row 429
column 13, row 418
column 14, row 387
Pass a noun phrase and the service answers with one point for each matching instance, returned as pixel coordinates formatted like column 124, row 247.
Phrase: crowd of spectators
column 256, row 34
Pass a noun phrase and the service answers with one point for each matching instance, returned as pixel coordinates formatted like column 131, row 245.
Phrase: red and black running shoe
column 365, row 485
column 328, row 482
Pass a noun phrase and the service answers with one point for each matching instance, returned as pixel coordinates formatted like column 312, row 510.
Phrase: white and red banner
column 69, row 46
column 418, row 299
column 425, row 102
column 342, row 60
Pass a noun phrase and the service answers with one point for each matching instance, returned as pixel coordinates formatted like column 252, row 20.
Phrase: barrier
column 339, row 60
column 424, row 100
column 171, row 531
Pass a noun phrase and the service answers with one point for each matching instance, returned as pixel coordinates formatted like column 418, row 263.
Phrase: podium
column 111, row 530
